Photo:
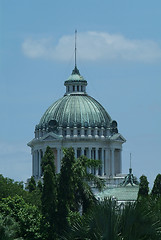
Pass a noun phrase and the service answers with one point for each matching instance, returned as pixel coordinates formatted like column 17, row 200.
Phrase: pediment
column 118, row 137
column 50, row 137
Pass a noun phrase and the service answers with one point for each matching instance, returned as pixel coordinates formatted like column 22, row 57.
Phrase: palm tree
column 8, row 228
column 107, row 221
column 137, row 223
column 102, row 223
column 84, row 180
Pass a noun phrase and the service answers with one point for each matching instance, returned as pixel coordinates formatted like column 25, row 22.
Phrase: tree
column 74, row 190
column 27, row 216
column 8, row 228
column 156, row 190
column 31, row 185
column 84, row 196
column 143, row 187
column 49, row 196
column 48, row 159
column 8, row 187
column 66, row 201
column 109, row 222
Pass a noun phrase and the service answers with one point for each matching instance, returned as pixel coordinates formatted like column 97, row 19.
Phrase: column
column 102, row 132
column 32, row 163
column 103, row 158
column 120, row 161
column 89, row 132
column 35, row 163
column 39, row 164
column 107, row 162
column 75, row 152
column 112, row 162
column 68, row 132
column 89, row 156
column 60, row 132
column 82, row 132
column 75, row 132
column 96, row 132
column 40, row 133
column 96, row 154
column 82, row 151
column 92, row 157
column 43, row 131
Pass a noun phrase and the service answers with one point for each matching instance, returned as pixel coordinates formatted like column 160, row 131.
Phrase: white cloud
column 93, row 46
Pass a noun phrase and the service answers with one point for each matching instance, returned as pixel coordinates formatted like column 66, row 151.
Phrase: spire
column 75, row 48
column 75, row 70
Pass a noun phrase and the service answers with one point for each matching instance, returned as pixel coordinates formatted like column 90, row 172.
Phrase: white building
column 79, row 121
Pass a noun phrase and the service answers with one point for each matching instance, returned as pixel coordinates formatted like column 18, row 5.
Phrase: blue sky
column 119, row 54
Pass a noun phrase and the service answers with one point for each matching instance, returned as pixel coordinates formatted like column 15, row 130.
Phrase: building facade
column 77, row 120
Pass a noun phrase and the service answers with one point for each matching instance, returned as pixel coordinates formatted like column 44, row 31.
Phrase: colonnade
column 110, row 160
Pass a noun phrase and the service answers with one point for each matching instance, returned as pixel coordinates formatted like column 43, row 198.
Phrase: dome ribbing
column 74, row 110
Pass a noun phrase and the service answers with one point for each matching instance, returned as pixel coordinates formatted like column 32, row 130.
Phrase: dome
column 76, row 110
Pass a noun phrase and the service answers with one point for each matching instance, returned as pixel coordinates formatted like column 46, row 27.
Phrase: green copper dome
column 76, row 110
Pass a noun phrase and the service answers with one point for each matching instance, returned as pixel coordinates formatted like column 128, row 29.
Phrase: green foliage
column 156, row 190
column 109, row 222
column 31, row 185
column 49, row 196
column 66, row 189
column 27, row 216
column 39, row 186
column 137, row 222
column 10, row 188
column 8, row 228
column 48, row 159
column 143, row 187
column 74, row 192
column 84, row 196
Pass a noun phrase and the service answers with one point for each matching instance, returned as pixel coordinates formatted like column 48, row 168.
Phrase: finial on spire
column 75, row 48
column 130, row 169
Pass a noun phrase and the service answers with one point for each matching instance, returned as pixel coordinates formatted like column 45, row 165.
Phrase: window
column 85, row 152
column 77, row 88
column 71, row 132
column 78, row 152
column 92, row 132
column 78, row 132
column 85, row 132
column 81, row 88
column 73, row 88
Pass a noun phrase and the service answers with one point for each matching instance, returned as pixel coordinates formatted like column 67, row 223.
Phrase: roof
column 75, row 77
column 121, row 193
column 77, row 110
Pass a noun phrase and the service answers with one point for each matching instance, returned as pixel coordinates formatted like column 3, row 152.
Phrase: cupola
column 75, row 84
